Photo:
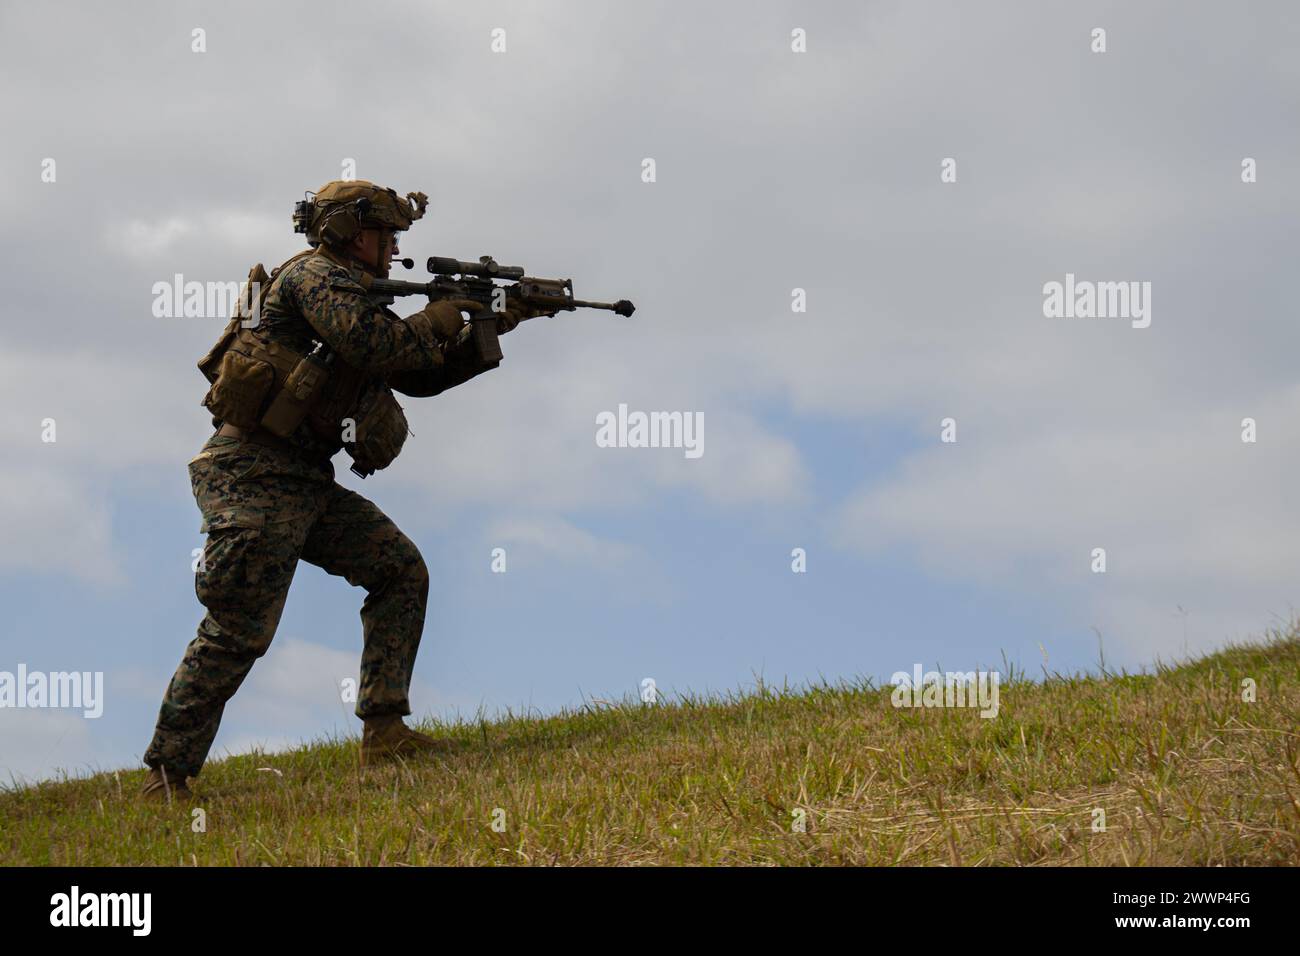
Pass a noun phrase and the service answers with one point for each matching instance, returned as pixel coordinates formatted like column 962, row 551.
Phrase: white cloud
column 555, row 537
column 1188, row 514
column 525, row 434
column 296, row 682
column 37, row 742
column 242, row 229
column 147, row 241
column 230, row 229
column 50, row 521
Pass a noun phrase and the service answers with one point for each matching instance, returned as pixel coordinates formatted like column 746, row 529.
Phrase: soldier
column 315, row 374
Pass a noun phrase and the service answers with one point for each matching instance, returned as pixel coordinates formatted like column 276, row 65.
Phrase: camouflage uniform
column 266, row 507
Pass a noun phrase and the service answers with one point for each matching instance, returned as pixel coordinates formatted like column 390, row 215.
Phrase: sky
column 794, row 147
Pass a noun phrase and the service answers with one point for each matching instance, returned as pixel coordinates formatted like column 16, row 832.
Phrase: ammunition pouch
column 249, row 374
column 297, row 396
column 336, row 403
column 381, row 430
column 241, row 388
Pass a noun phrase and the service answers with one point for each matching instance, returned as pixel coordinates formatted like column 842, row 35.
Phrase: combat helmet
column 340, row 209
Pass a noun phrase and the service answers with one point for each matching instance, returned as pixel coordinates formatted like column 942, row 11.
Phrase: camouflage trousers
column 264, row 510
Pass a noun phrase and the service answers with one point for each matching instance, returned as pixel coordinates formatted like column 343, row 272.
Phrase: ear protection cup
column 339, row 225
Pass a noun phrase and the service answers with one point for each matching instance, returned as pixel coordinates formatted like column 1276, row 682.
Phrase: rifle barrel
column 622, row 306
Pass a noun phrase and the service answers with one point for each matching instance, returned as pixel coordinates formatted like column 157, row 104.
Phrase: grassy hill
column 1185, row 770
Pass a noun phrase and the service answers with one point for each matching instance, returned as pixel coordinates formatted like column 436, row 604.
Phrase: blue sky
column 775, row 171
column 708, row 603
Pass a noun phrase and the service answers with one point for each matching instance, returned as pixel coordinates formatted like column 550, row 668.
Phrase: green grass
column 1185, row 770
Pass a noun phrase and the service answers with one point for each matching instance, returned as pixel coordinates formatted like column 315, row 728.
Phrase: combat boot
column 386, row 738
column 160, row 782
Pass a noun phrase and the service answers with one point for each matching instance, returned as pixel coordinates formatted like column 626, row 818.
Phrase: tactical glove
column 441, row 319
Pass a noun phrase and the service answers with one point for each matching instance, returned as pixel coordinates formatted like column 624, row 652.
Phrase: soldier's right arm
column 461, row 363
column 338, row 308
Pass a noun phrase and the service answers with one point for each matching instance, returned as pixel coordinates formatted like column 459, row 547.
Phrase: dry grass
column 1185, row 770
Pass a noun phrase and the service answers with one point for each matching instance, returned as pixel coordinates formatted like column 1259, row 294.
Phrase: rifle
column 454, row 279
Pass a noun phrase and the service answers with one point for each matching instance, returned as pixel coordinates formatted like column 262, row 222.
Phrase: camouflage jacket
column 317, row 298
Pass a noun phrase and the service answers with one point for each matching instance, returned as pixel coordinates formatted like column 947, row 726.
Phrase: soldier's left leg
column 354, row 539
column 257, row 512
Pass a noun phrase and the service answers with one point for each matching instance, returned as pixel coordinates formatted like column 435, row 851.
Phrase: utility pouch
column 298, row 394
column 241, row 387
column 381, row 432
column 248, row 307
